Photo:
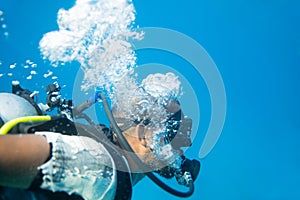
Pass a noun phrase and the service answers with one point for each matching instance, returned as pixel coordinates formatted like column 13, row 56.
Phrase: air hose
column 10, row 124
column 124, row 144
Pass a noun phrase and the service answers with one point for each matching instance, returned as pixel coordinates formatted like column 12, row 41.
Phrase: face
column 157, row 155
column 148, row 141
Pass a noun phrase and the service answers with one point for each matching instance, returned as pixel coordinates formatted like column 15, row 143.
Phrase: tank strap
column 98, row 133
column 59, row 124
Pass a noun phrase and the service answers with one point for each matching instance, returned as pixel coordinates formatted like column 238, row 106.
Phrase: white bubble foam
column 96, row 34
column 164, row 86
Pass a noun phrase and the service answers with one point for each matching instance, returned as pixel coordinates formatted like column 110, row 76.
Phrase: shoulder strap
column 59, row 124
column 124, row 185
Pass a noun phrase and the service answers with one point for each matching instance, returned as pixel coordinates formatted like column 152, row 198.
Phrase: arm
column 20, row 155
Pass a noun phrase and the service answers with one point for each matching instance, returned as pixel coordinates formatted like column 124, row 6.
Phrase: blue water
column 256, row 47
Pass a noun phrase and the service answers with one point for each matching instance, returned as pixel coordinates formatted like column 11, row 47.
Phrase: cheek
column 151, row 160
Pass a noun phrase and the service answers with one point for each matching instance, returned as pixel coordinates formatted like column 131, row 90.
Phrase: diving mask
column 176, row 132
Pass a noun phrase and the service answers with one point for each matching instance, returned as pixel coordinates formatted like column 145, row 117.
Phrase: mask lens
column 177, row 132
column 172, row 126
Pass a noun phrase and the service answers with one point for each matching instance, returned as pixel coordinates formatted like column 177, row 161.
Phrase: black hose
column 124, row 144
column 169, row 189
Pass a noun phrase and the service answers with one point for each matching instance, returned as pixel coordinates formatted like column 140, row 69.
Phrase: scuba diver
column 54, row 157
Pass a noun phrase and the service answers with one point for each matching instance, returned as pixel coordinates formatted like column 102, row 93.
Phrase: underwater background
column 256, row 47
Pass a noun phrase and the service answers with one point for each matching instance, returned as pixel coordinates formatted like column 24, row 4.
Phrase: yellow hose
column 10, row 124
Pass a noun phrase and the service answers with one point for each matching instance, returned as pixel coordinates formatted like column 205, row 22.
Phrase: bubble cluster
column 3, row 25
column 27, row 70
column 162, row 86
column 96, row 34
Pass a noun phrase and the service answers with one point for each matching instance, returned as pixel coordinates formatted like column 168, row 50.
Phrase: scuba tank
column 14, row 106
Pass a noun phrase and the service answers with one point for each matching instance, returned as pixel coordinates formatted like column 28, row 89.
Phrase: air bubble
column 13, row 66
column 33, row 72
column 48, row 74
